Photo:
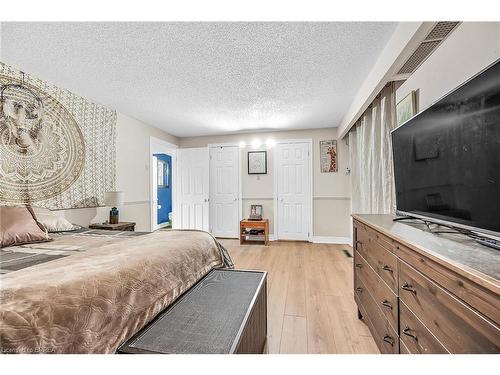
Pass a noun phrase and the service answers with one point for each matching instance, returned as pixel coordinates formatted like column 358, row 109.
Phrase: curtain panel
column 370, row 153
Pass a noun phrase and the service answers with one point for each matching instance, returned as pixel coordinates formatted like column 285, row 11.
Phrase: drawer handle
column 389, row 339
column 387, row 268
column 407, row 332
column 359, row 265
column 358, row 289
column 409, row 288
column 387, row 304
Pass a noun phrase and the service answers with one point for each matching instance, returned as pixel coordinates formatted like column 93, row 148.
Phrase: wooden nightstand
column 119, row 227
column 254, row 224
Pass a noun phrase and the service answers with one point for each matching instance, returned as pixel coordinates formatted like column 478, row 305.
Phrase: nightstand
column 119, row 227
column 262, row 225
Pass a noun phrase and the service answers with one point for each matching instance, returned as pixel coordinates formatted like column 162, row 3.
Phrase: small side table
column 254, row 224
column 125, row 226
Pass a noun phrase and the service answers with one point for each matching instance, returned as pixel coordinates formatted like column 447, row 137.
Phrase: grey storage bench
column 225, row 312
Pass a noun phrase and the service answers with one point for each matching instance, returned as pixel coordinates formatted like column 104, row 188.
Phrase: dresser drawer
column 381, row 239
column 384, row 335
column 459, row 328
column 383, row 262
column 384, row 297
column 471, row 293
column 362, row 239
column 403, row 349
column 415, row 336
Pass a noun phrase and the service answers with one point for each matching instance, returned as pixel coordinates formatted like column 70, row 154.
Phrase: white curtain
column 370, row 152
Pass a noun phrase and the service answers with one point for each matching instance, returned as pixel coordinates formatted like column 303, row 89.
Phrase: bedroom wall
column 469, row 49
column 331, row 191
column 0, row 41
column 131, row 156
column 132, row 174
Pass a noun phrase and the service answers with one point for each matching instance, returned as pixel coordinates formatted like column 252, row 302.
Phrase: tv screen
column 447, row 158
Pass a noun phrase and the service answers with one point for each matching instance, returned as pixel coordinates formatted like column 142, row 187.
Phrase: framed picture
column 406, row 108
column 255, row 212
column 328, row 156
column 163, row 174
column 257, row 162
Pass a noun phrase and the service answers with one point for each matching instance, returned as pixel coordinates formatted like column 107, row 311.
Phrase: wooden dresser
column 420, row 292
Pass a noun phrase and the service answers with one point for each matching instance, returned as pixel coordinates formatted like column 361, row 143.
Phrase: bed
column 91, row 290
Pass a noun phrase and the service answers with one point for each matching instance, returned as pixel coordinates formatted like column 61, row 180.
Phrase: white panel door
column 224, row 191
column 193, row 189
column 293, row 190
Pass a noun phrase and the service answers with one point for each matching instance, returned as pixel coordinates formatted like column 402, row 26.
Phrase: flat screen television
column 447, row 158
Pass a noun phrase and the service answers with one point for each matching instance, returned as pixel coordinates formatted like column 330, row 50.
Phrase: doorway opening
column 164, row 197
column 163, row 192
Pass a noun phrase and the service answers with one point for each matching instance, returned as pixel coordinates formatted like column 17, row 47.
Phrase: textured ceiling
column 205, row 78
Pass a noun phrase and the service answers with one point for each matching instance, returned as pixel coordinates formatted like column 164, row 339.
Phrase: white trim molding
column 330, row 198
column 134, row 203
column 258, row 198
column 228, row 144
column 332, row 240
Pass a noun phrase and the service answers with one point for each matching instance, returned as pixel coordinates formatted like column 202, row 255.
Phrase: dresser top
column 464, row 255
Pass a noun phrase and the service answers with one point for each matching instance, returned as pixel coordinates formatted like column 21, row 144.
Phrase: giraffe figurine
column 333, row 159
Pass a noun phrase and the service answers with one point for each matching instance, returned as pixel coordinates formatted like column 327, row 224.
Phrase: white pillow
column 51, row 221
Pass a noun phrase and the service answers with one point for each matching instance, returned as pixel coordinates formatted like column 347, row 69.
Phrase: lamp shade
column 114, row 198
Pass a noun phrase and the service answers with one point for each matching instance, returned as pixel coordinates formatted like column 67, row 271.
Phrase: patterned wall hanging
column 57, row 150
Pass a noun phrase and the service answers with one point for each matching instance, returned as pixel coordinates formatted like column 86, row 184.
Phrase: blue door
column 164, row 187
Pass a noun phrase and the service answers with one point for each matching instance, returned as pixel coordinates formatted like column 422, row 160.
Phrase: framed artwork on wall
column 328, row 156
column 257, row 162
column 406, row 107
column 255, row 212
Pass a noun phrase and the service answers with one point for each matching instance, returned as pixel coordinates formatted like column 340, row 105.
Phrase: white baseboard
column 332, row 240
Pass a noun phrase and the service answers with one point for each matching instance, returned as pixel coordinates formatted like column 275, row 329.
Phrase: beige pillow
column 51, row 221
column 18, row 226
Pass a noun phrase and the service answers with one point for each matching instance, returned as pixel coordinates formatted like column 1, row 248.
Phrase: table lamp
column 114, row 199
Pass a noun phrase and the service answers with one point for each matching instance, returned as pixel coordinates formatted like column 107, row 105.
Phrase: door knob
column 235, row 199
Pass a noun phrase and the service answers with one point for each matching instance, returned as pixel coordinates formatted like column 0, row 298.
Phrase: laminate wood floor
column 311, row 307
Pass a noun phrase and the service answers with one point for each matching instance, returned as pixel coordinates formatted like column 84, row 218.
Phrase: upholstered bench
column 225, row 312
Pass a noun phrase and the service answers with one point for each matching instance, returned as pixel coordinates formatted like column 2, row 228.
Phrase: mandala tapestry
column 57, row 150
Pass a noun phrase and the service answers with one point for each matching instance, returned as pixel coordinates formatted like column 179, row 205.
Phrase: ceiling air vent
column 440, row 31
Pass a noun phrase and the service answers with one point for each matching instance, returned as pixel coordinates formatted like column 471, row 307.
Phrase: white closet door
column 293, row 190
column 224, row 191
column 193, row 189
